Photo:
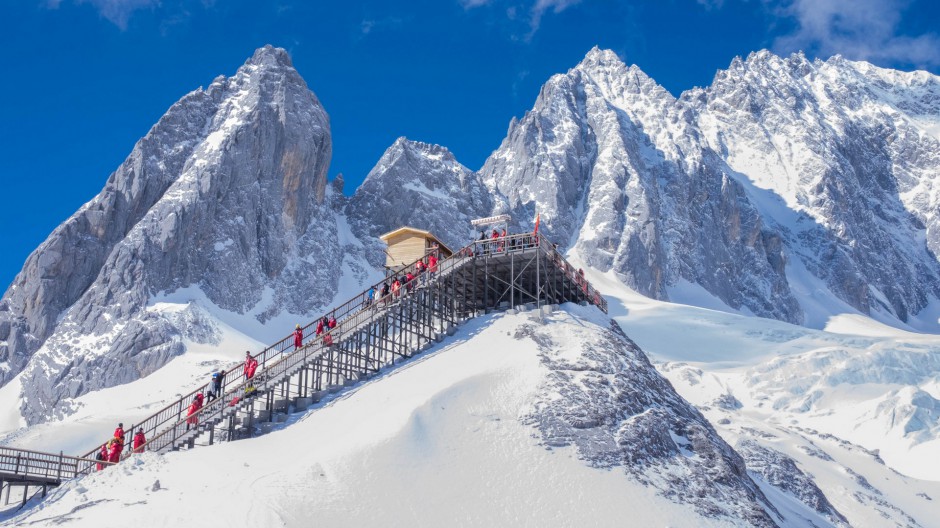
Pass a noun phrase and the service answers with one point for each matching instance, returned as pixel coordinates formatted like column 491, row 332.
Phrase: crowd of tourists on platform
column 499, row 241
column 398, row 286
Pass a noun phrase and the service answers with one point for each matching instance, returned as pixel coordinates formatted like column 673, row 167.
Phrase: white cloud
column 542, row 6
column 536, row 10
column 857, row 29
column 711, row 4
column 470, row 4
column 117, row 12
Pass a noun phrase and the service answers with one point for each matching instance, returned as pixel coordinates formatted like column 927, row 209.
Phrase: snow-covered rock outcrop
column 603, row 396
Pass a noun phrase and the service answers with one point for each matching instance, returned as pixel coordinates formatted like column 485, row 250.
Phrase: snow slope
column 864, row 382
column 454, row 437
column 436, row 442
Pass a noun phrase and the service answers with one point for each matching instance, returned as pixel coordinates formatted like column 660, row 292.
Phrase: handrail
column 30, row 465
column 357, row 314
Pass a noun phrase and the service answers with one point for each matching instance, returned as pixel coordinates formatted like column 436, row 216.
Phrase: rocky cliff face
column 781, row 165
column 848, row 154
column 419, row 185
column 620, row 173
column 227, row 193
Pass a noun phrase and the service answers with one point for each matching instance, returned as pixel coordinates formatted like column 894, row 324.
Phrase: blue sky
column 85, row 79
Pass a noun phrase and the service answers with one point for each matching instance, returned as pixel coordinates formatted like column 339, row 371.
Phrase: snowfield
column 435, row 442
column 448, row 439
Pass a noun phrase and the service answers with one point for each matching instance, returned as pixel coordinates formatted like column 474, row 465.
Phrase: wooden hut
column 407, row 244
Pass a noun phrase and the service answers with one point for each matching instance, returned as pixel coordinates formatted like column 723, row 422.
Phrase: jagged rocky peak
column 271, row 56
column 601, row 63
column 290, row 104
column 408, row 151
column 419, row 185
column 617, row 81
column 226, row 193
column 600, row 57
column 764, row 62
column 847, row 147
column 828, row 165
column 617, row 169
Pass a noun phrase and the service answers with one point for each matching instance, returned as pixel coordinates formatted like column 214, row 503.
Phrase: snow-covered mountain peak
column 225, row 195
column 266, row 62
column 628, row 86
column 766, row 65
column 598, row 59
column 435, row 167
column 786, row 143
column 271, row 57
column 420, row 185
column 418, row 150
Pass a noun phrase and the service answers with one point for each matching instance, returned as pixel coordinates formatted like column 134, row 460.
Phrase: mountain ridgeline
column 785, row 188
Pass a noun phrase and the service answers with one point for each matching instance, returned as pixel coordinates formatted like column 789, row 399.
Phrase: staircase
column 486, row 275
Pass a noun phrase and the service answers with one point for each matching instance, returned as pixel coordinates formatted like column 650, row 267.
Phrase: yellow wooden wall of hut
column 407, row 244
column 405, row 248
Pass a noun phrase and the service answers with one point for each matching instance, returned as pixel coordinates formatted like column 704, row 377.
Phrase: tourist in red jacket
column 432, row 263
column 298, row 337
column 114, row 453
column 102, row 456
column 251, row 365
column 320, row 324
column 119, row 432
column 139, row 441
column 191, row 418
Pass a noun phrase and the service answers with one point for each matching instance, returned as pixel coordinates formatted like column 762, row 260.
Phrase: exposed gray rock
column 781, row 472
column 612, row 404
column 619, row 172
column 780, row 164
column 419, row 185
column 848, row 148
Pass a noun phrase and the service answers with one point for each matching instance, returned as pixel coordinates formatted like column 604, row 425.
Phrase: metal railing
column 22, row 465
